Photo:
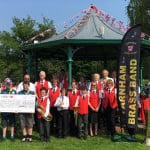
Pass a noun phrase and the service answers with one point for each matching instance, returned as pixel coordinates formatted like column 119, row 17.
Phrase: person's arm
column 77, row 102
column 34, row 89
column 57, row 103
column 99, row 104
column 49, row 85
column 47, row 108
column 20, row 87
column 91, row 106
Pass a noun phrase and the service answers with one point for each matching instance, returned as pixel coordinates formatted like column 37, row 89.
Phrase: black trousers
column 44, row 128
column 110, row 120
column 131, row 131
column 82, row 120
column 54, row 122
column 63, row 122
column 73, row 128
column 101, row 118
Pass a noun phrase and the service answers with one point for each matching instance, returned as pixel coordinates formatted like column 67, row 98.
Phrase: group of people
column 76, row 112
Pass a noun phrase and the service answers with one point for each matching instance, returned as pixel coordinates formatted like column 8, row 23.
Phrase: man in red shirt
column 42, row 83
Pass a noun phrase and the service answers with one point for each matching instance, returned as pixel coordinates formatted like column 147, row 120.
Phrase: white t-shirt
column 20, row 87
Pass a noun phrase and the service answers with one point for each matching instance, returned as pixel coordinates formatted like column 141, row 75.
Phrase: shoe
column 133, row 138
column 23, row 139
column 60, row 136
column 91, row 134
column 48, row 140
column 12, row 139
column 29, row 139
column 95, row 134
column 42, row 140
column 3, row 139
column 85, row 137
column 64, row 136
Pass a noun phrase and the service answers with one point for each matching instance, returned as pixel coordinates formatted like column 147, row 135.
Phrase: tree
column 12, row 59
column 138, row 12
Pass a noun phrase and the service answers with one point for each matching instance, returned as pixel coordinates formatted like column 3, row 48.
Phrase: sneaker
column 23, row 139
column 29, row 139
column 85, row 137
column 3, row 139
column 42, row 140
column 47, row 140
column 60, row 136
column 12, row 139
column 80, row 137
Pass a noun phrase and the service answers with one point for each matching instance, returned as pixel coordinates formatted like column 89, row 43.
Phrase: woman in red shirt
column 94, row 104
column 110, row 106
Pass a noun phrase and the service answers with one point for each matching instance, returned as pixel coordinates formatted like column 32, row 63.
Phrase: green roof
column 92, row 35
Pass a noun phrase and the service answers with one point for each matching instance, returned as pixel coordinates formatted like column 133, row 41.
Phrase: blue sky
column 57, row 10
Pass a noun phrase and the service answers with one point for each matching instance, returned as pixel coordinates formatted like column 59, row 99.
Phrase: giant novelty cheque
column 17, row 103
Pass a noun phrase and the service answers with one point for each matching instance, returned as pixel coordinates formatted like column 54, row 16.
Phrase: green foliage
column 46, row 24
column 51, row 67
column 138, row 12
column 23, row 29
column 86, row 68
column 146, row 68
column 12, row 59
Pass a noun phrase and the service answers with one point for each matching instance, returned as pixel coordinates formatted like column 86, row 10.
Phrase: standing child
column 110, row 106
column 72, row 100
column 82, row 106
column 54, row 93
column 62, row 104
column 26, row 119
column 43, row 107
column 8, row 117
column 94, row 104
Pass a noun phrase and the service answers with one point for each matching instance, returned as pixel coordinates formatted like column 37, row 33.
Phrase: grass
column 100, row 142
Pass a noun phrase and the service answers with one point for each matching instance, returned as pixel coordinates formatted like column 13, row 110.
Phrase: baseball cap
column 8, row 81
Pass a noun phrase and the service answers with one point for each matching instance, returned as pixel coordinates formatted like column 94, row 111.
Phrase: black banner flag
column 128, row 75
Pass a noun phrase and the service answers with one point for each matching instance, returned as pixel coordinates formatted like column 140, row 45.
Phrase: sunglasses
column 27, row 78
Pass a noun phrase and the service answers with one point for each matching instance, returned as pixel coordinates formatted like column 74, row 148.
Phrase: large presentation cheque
column 17, row 103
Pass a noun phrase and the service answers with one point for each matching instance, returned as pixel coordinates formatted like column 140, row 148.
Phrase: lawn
column 101, row 142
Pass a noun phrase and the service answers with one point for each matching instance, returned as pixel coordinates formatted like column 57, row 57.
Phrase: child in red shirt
column 82, row 108
column 72, row 100
column 44, row 125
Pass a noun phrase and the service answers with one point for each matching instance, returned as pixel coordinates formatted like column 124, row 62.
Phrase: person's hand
column 60, row 105
column 102, row 109
column 96, row 109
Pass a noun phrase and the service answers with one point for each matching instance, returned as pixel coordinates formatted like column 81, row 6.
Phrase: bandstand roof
column 92, row 36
